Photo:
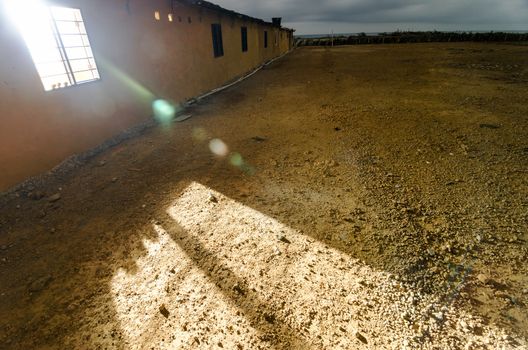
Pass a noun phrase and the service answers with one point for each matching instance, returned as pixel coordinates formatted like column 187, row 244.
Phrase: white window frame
column 70, row 61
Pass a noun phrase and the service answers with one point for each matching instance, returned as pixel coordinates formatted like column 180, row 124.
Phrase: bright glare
column 32, row 18
column 35, row 21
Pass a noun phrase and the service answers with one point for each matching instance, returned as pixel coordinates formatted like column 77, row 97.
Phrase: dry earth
column 373, row 197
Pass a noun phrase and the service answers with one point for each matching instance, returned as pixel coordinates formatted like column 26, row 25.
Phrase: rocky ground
column 366, row 197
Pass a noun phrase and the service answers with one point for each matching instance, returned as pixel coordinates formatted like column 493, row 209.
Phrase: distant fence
column 411, row 37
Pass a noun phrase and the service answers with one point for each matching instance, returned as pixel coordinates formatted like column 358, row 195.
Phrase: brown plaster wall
column 139, row 59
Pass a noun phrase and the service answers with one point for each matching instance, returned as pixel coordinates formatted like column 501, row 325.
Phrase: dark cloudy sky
column 350, row 16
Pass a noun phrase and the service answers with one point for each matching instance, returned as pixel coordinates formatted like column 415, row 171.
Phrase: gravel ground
column 370, row 197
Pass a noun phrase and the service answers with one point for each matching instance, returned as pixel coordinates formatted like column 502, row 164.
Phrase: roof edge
column 218, row 8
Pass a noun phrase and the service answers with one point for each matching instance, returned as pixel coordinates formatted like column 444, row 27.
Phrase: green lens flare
column 236, row 160
column 164, row 111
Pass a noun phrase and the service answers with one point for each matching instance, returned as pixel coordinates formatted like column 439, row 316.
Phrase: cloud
column 439, row 14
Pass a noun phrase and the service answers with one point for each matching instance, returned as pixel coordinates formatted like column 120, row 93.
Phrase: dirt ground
column 365, row 197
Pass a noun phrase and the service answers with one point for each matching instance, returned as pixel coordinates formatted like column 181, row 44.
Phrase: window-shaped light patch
column 157, row 15
column 170, row 17
column 58, row 43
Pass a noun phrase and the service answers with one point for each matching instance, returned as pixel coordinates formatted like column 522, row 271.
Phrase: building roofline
column 218, row 8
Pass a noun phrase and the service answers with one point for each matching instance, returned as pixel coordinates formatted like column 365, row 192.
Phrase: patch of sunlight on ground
column 229, row 275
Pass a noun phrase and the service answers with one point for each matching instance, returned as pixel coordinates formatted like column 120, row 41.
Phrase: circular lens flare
column 218, row 147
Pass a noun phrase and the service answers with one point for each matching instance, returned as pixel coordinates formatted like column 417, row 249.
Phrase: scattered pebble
column 361, row 338
column 283, row 239
column 54, row 198
column 212, row 198
column 482, row 278
column 489, row 126
column 163, row 310
column 36, row 195
column 40, row 284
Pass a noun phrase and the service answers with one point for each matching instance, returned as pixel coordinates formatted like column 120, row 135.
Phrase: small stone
column 36, row 195
column 114, row 179
column 283, row 239
column 489, row 126
column 3, row 247
column 482, row 278
column 270, row 318
column 361, row 338
column 464, row 326
column 163, row 310
column 212, row 198
column 54, row 198
column 237, row 289
column 102, row 163
column 39, row 284
column 439, row 316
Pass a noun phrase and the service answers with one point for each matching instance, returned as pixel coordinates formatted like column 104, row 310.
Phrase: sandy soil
column 371, row 197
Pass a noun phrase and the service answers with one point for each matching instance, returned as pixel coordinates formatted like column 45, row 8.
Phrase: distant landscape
column 400, row 37
column 329, row 35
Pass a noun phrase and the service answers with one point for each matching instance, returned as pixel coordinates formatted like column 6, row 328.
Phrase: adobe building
column 73, row 75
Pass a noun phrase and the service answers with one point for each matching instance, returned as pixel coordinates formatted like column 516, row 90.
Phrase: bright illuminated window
column 157, row 15
column 58, row 43
column 170, row 17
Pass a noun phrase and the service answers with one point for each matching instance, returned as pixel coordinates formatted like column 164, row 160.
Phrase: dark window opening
column 243, row 32
column 265, row 39
column 218, row 46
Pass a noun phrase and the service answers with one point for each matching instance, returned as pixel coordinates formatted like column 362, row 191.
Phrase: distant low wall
column 411, row 37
